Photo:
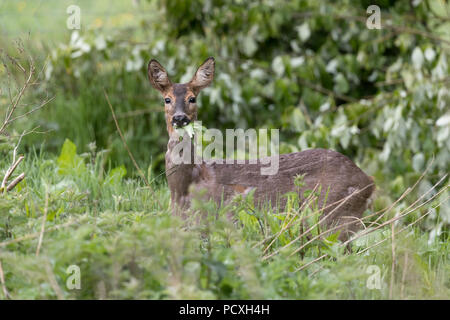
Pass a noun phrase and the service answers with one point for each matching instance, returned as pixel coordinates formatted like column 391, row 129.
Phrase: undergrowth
column 128, row 247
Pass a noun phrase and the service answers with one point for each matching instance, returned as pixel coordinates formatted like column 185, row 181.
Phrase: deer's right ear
column 204, row 75
column 158, row 76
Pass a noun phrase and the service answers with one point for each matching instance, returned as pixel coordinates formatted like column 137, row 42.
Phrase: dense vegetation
column 310, row 68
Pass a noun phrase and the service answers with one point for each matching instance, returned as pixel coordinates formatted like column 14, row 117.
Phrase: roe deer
column 342, row 182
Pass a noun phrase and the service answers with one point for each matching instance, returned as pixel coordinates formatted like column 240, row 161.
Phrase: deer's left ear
column 158, row 76
column 204, row 75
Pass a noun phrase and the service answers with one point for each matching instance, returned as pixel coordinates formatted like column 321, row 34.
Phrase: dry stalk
column 44, row 218
column 405, row 269
column 9, row 172
column 402, row 214
column 401, row 230
column 52, row 279
column 407, row 191
column 341, row 202
column 10, row 116
column 391, row 221
column 141, row 173
column 36, row 234
column 391, row 284
column 17, row 99
column 311, row 262
column 288, row 225
column 15, row 182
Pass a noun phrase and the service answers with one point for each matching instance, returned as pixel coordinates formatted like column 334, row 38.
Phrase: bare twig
column 328, row 230
column 403, row 229
column 391, row 221
column 379, row 213
column 36, row 234
column 15, row 182
column 10, row 116
column 19, row 96
column 305, row 203
column 32, row 110
column 17, row 146
column 337, row 227
column 9, row 172
column 402, row 214
column 391, row 284
column 311, row 262
column 139, row 112
column 52, row 279
column 405, row 269
column 326, row 91
column 408, row 190
column 341, row 203
column 44, row 218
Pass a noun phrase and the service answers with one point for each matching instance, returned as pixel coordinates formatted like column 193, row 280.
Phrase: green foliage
column 128, row 248
column 310, row 68
column 69, row 160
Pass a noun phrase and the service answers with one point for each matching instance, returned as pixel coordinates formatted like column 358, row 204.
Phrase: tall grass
column 128, row 247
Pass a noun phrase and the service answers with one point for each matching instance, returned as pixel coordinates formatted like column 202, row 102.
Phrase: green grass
column 127, row 247
column 44, row 21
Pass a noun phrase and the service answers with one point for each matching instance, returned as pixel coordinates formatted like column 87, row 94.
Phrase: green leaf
column 418, row 162
column 249, row 46
column 278, row 66
column 248, row 220
column 341, row 85
column 444, row 120
column 304, row 32
column 68, row 160
column 189, row 129
column 439, row 8
column 417, row 58
column 115, row 175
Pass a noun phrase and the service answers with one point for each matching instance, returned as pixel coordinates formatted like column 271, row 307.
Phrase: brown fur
column 344, row 187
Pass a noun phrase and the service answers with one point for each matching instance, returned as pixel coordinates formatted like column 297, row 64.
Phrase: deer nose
column 180, row 120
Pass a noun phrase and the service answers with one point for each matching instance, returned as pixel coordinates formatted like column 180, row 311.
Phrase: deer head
column 180, row 98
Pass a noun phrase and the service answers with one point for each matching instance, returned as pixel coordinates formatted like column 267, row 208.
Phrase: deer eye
column 192, row 100
column 167, row 100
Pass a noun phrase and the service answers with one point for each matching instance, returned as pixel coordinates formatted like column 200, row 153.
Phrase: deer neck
column 180, row 174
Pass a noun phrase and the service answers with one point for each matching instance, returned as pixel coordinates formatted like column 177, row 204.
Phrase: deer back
column 332, row 173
